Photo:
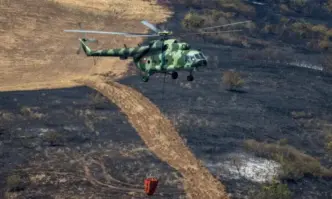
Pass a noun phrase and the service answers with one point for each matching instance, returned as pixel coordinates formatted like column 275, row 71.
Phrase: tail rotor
column 86, row 40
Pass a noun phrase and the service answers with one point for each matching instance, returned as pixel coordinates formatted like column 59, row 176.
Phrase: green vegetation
column 274, row 190
column 232, row 80
column 295, row 164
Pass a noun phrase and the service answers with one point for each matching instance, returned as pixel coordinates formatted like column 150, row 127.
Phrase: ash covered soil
column 215, row 122
column 58, row 138
column 73, row 143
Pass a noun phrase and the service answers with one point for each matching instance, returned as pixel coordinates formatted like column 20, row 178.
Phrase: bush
column 232, row 80
column 54, row 139
column 274, row 190
column 193, row 20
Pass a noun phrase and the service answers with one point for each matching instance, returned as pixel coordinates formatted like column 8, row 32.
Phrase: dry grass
column 295, row 164
column 38, row 54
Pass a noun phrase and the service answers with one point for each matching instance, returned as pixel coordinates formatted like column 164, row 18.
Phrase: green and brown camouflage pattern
column 160, row 56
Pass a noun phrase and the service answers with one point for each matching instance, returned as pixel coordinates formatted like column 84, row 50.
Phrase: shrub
column 274, row 190
column 193, row 20
column 53, row 138
column 232, row 80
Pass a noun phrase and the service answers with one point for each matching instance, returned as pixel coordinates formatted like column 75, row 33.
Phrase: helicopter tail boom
column 123, row 53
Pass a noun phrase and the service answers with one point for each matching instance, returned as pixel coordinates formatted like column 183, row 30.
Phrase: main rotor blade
column 152, row 27
column 226, row 31
column 230, row 24
column 111, row 33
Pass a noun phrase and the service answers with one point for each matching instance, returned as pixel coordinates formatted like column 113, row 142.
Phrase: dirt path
column 161, row 137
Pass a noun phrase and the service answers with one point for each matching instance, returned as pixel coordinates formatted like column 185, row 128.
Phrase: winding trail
column 161, row 137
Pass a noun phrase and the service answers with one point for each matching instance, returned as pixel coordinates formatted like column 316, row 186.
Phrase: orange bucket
column 150, row 185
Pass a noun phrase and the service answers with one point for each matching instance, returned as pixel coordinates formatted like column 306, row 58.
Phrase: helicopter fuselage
column 165, row 56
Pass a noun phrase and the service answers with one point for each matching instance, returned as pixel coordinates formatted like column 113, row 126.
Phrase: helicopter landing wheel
column 190, row 78
column 145, row 78
column 174, row 75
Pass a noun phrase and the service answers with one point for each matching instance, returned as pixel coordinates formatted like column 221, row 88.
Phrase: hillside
column 36, row 53
column 270, row 138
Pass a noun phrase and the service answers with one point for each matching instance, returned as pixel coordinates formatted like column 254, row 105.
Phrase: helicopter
column 163, row 55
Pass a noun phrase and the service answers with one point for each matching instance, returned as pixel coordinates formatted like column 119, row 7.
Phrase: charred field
column 52, row 139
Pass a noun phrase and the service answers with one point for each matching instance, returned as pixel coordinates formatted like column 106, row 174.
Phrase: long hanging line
column 163, row 89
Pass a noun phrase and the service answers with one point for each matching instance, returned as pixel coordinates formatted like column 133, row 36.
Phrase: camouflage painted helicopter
column 163, row 55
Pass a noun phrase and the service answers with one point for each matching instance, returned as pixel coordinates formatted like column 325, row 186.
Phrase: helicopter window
column 197, row 56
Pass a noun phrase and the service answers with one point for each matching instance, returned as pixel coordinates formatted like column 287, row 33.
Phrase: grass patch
column 295, row 164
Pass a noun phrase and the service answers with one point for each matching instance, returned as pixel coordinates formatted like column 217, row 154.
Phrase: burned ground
column 66, row 131
column 54, row 137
